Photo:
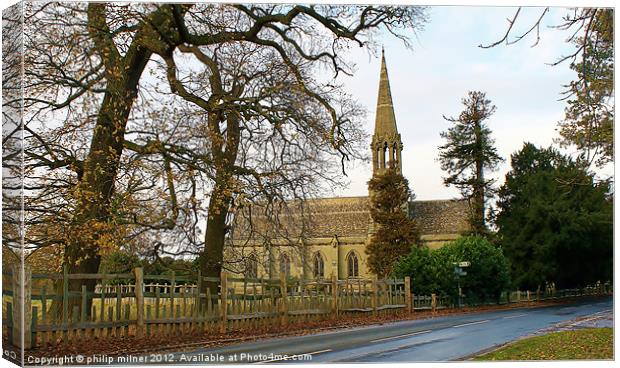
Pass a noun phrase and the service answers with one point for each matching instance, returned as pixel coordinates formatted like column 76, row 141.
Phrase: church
column 328, row 236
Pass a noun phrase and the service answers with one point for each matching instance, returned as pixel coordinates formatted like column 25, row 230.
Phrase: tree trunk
column 478, row 193
column 212, row 258
column 96, row 188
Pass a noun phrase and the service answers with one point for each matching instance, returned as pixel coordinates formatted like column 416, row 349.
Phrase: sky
column 445, row 62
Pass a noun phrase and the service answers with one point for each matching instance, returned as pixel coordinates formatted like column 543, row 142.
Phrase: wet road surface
column 429, row 340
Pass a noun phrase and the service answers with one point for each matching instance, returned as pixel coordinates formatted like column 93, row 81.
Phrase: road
column 429, row 340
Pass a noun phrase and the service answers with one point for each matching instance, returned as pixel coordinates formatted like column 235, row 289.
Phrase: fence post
column 408, row 293
column 223, row 302
column 283, row 299
column 375, row 296
column 172, row 294
column 22, row 290
column 65, row 301
column 10, row 324
column 334, row 295
column 433, row 303
column 139, row 291
column 528, row 295
column 33, row 327
column 198, row 295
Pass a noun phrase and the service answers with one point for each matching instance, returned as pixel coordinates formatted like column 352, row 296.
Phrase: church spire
column 385, row 122
column 386, row 144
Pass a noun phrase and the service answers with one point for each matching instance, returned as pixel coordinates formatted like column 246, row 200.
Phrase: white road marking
column 518, row 315
column 294, row 355
column 318, row 352
column 471, row 323
column 399, row 336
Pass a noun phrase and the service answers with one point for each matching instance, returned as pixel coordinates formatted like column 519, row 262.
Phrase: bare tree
column 588, row 124
column 12, row 126
column 273, row 127
column 83, row 67
column 111, row 162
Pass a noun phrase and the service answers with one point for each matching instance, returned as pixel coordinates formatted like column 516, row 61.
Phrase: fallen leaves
column 581, row 344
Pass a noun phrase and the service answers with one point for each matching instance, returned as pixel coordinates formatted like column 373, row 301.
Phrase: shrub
column 433, row 271
column 489, row 272
column 427, row 275
column 119, row 262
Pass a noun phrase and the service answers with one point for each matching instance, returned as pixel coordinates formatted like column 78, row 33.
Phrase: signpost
column 458, row 272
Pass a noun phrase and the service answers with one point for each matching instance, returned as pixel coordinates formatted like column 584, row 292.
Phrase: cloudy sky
column 444, row 64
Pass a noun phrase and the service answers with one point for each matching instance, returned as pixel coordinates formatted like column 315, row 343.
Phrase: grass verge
column 582, row 344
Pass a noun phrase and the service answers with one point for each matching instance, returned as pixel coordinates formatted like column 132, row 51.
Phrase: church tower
column 386, row 145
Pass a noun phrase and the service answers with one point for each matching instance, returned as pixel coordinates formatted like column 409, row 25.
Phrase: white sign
column 464, row 264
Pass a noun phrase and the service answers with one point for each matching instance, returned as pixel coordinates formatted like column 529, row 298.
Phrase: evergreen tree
column 394, row 232
column 468, row 152
column 555, row 222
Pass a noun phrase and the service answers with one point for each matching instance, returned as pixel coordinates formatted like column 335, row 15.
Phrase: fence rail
column 60, row 307
column 169, row 304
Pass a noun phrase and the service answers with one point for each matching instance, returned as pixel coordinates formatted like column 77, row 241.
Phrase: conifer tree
column 555, row 221
column 395, row 233
column 468, row 153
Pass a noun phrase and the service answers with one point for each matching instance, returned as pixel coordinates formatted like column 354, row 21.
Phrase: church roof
column 346, row 217
column 315, row 218
column 440, row 216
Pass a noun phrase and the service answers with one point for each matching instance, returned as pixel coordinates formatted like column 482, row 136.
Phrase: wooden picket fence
column 135, row 304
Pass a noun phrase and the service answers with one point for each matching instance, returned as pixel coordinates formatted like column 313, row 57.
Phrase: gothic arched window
column 352, row 265
column 319, row 266
column 251, row 267
column 385, row 152
column 394, row 156
column 285, row 265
